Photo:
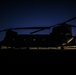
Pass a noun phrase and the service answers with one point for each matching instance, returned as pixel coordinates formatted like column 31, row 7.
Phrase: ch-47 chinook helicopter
column 61, row 35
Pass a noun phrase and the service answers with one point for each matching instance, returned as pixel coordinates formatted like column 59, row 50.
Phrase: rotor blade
column 44, row 29
column 54, row 25
column 63, row 22
column 40, row 28
column 6, row 29
column 36, row 31
column 70, row 19
column 3, row 30
column 25, row 28
column 73, row 25
column 31, row 28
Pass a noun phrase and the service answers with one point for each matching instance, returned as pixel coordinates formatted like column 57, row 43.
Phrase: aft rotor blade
column 70, row 19
column 44, row 29
column 36, row 31
column 55, row 25
column 73, row 25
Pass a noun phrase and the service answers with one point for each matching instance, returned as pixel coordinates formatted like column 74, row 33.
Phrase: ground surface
column 38, row 56
column 21, row 61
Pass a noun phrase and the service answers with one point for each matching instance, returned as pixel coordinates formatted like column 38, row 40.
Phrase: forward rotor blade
column 25, row 28
column 6, row 29
column 31, row 28
column 3, row 30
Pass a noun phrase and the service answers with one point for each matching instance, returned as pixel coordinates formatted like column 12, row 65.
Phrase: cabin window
column 34, row 39
column 4, row 47
column 24, row 39
column 43, row 39
column 13, row 39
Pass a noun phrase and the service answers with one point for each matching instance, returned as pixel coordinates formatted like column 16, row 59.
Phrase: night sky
column 35, row 13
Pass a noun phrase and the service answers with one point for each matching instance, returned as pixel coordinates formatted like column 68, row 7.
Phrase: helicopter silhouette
column 61, row 35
